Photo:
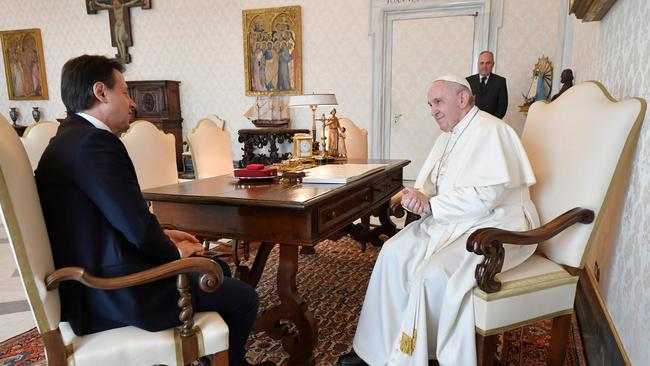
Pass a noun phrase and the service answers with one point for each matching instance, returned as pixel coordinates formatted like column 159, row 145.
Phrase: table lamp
column 313, row 101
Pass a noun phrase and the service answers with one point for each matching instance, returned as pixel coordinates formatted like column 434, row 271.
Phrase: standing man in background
column 489, row 89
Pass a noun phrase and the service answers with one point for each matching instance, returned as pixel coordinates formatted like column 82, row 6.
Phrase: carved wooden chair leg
column 559, row 338
column 365, row 223
column 247, row 249
column 235, row 251
column 220, row 359
column 486, row 347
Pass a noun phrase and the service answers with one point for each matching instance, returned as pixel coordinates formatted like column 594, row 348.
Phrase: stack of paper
column 340, row 173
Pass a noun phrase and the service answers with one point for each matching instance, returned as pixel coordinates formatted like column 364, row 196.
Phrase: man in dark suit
column 97, row 219
column 489, row 89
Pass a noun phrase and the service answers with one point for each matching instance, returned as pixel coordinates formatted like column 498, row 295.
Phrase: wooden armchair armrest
column 397, row 210
column 489, row 243
column 211, row 279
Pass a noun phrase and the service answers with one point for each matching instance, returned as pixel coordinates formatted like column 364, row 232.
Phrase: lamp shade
column 308, row 100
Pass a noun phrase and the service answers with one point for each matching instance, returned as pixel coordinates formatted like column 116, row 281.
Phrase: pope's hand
column 415, row 201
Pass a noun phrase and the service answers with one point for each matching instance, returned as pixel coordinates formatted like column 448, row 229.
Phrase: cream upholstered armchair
column 581, row 148
column 216, row 119
column 153, row 153
column 210, row 150
column 200, row 334
column 36, row 138
column 356, row 139
column 212, row 156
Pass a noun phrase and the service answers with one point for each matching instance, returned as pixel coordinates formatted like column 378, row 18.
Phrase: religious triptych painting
column 22, row 51
column 272, row 51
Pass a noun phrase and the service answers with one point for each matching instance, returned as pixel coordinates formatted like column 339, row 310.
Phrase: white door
column 423, row 49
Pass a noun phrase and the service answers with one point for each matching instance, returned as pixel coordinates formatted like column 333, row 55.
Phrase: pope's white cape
column 420, row 288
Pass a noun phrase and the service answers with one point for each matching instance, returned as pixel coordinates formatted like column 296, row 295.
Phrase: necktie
column 483, row 80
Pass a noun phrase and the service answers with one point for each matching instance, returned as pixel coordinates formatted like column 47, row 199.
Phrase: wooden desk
column 289, row 215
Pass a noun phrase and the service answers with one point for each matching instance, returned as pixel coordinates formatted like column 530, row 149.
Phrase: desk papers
column 340, row 173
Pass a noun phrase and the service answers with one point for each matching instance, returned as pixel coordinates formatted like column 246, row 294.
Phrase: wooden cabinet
column 159, row 102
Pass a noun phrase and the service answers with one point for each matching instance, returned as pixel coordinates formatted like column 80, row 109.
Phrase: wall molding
column 382, row 15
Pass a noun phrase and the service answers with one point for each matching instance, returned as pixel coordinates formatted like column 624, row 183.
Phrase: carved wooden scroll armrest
column 211, row 279
column 489, row 243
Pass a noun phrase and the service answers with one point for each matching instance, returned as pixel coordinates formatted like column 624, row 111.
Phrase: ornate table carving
column 257, row 138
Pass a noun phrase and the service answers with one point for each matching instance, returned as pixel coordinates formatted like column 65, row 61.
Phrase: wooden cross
column 119, row 15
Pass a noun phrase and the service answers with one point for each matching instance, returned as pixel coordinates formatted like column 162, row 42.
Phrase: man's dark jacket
column 492, row 98
column 97, row 219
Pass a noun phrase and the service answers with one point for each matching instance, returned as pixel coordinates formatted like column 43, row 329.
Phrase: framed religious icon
column 22, row 51
column 272, row 51
column 302, row 145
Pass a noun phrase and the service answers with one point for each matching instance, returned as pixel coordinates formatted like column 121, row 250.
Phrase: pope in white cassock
column 419, row 305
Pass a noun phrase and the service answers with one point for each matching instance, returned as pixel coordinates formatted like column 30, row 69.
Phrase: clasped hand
column 186, row 243
column 415, row 201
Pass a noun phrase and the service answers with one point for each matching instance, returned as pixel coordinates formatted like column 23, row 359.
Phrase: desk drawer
column 387, row 186
column 341, row 210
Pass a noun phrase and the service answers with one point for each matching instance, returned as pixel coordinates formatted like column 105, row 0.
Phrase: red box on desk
column 256, row 171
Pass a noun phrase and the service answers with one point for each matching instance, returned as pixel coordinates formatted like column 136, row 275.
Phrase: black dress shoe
column 351, row 359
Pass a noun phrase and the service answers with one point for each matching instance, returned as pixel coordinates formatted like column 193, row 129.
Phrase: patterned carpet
column 333, row 282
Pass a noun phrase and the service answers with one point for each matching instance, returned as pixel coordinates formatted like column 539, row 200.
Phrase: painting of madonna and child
column 273, row 51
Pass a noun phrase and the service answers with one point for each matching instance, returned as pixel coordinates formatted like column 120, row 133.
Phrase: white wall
column 199, row 43
column 528, row 31
column 616, row 51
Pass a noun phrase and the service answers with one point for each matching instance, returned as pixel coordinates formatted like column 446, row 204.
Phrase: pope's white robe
column 418, row 305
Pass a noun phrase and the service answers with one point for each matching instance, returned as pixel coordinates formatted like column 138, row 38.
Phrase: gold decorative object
column 590, row 10
column 302, row 145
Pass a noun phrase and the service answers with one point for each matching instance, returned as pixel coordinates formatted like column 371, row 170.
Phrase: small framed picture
column 22, row 51
column 302, row 144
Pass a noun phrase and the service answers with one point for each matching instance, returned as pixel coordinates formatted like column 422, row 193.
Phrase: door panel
column 423, row 49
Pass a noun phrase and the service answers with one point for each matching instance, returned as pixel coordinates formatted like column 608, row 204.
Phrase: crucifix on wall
column 120, row 21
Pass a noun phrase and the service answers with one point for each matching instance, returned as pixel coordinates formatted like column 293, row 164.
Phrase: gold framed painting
column 22, row 51
column 272, row 51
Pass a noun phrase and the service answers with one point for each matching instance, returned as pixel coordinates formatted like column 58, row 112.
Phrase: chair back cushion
column 23, row 218
column 214, row 118
column 210, row 149
column 575, row 145
column 356, row 139
column 36, row 138
column 153, row 153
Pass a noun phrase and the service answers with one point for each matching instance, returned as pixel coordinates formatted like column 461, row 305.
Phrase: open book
column 340, row 173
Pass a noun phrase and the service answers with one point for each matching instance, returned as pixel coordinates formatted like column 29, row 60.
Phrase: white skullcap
column 455, row 79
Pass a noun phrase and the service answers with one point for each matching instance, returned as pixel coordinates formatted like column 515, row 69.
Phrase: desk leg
column 292, row 308
column 252, row 276
column 364, row 234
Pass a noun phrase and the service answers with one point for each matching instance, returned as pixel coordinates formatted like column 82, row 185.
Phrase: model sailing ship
column 269, row 111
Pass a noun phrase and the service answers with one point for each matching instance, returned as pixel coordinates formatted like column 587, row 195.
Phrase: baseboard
column 599, row 336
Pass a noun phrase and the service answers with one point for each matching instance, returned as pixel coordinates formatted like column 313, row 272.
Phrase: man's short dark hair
column 80, row 74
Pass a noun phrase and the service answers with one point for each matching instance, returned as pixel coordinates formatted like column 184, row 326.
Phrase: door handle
column 396, row 117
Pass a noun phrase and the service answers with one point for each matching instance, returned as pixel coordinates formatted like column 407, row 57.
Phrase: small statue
column 343, row 152
column 333, row 134
column 566, row 78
